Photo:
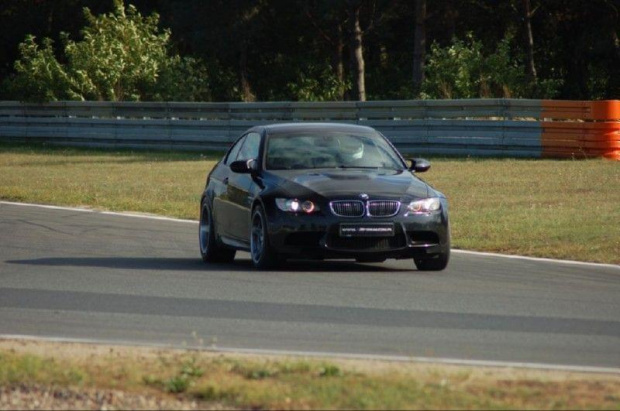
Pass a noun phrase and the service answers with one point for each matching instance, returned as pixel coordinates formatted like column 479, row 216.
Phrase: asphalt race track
column 72, row 274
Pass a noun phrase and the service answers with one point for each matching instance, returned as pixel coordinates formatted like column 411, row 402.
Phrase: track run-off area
column 78, row 275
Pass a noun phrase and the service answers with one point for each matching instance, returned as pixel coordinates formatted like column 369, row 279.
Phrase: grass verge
column 209, row 380
column 544, row 208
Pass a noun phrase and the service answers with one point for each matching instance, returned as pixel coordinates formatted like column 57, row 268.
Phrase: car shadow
column 196, row 264
column 337, row 265
column 131, row 263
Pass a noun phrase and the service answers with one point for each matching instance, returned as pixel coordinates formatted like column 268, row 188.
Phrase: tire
column 263, row 255
column 434, row 263
column 210, row 250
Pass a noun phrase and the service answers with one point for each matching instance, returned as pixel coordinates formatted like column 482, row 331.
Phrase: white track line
column 334, row 355
column 155, row 217
column 539, row 259
column 88, row 210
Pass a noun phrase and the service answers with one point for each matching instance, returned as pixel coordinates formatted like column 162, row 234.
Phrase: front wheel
column 432, row 263
column 263, row 255
column 210, row 250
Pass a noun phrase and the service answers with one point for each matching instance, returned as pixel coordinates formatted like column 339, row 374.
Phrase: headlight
column 427, row 205
column 296, row 206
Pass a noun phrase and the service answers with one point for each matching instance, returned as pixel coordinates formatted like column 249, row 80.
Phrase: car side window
column 232, row 154
column 250, row 147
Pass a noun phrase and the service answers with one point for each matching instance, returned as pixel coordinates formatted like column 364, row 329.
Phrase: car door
column 222, row 206
column 240, row 189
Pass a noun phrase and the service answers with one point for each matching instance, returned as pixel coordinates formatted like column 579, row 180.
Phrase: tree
column 122, row 56
column 357, row 49
column 464, row 70
column 41, row 19
column 268, row 50
column 419, row 50
column 527, row 19
column 40, row 77
column 119, row 57
column 329, row 23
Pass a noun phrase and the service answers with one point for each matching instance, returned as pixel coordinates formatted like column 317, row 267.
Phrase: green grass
column 284, row 383
column 568, row 209
column 161, row 183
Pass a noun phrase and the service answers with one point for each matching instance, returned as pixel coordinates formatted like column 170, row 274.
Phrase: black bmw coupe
column 317, row 191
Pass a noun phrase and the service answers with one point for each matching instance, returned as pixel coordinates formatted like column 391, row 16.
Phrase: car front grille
column 374, row 208
column 383, row 208
column 347, row 208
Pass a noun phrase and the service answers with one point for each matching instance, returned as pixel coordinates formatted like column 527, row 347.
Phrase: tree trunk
column 527, row 17
column 614, row 81
column 337, row 62
column 246, row 88
column 419, row 47
column 357, row 51
column 247, row 28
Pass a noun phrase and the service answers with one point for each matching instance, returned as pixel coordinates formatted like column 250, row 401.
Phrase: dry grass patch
column 212, row 380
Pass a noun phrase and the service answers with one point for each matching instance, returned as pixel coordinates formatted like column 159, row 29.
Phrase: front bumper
column 318, row 236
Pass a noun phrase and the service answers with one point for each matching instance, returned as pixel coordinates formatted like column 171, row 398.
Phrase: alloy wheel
column 257, row 241
column 205, row 229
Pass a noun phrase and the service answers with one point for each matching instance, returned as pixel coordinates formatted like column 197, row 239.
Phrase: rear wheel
column 263, row 255
column 437, row 262
column 210, row 250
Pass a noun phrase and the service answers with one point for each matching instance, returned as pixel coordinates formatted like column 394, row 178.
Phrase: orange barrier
column 594, row 131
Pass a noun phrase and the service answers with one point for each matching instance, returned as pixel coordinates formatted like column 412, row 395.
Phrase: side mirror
column 419, row 165
column 244, row 166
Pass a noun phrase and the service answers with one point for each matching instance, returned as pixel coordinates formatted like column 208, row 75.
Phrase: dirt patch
column 37, row 397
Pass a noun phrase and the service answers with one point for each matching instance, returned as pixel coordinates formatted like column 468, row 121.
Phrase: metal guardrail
column 479, row 127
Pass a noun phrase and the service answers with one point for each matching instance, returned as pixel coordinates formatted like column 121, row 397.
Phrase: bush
column 122, row 56
column 317, row 83
column 462, row 70
column 40, row 77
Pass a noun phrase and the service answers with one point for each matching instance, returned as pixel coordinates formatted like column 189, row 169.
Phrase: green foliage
column 186, row 377
column 301, row 50
column 330, row 370
column 317, row 83
column 254, row 371
column 261, row 371
column 463, row 70
column 181, row 79
column 122, row 56
column 40, row 77
column 597, row 81
column 191, row 369
column 20, row 369
column 177, row 384
column 223, row 82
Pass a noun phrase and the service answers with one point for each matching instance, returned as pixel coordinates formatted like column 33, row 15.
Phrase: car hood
column 353, row 182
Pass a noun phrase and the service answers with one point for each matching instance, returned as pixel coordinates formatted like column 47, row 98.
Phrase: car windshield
column 330, row 150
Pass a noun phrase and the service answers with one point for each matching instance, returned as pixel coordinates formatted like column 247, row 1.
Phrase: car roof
column 301, row 127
